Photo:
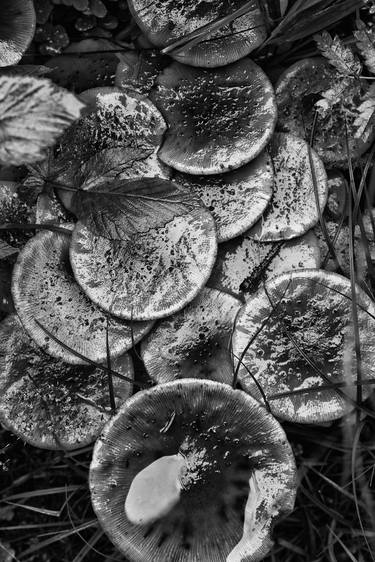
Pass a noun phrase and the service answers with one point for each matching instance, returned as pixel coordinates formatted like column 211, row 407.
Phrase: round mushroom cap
column 194, row 343
column 306, row 341
column 236, row 199
column 297, row 91
column 48, row 403
column 238, row 478
column 17, row 26
column 293, row 209
column 242, row 264
column 218, row 119
column 167, row 21
column 45, row 291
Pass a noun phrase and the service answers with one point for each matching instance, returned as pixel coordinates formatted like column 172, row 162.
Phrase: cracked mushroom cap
column 166, row 21
column 17, row 26
column 194, row 343
column 218, row 119
column 220, row 458
column 48, row 403
column 44, row 290
column 293, row 209
column 307, row 341
column 236, row 199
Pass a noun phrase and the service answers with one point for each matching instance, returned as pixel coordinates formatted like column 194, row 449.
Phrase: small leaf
column 365, row 37
column 6, row 250
column 365, row 111
column 33, row 114
column 338, row 54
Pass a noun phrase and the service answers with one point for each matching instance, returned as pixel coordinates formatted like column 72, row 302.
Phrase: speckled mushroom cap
column 243, row 263
column 166, row 21
column 44, row 290
column 17, row 26
column 297, row 91
column 51, row 404
column 236, row 199
column 229, row 441
column 293, row 209
column 194, row 343
column 218, row 119
column 308, row 341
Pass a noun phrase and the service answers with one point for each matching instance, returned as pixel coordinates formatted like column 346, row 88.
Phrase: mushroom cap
column 293, row 210
column 44, row 290
column 310, row 325
column 165, row 21
column 226, row 438
column 150, row 276
column 236, row 199
column 297, row 91
column 48, row 403
column 194, row 343
column 218, row 119
column 243, row 262
column 17, row 27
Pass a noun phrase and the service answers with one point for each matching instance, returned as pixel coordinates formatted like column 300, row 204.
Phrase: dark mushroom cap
column 194, row 343
column 44, row 290
column 236, row 199
column 229, row 443
column 297, row 91
column 293, row 209
column 218, row 119
column 165, row 21
column 309, row 334
column 17, row 26
column 50, row 404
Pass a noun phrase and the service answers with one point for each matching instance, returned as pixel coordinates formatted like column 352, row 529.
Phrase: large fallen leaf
column 33, row 114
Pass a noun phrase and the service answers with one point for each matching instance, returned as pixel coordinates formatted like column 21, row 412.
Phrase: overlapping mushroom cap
column 296, row 335
column 218, row 119
column 51, row 404
column 233, row 469
column 17, row 26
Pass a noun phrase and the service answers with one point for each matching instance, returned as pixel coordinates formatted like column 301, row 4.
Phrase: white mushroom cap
column 17, row 26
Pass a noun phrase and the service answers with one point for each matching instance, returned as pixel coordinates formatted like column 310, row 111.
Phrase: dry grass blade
column 88, row 547
column 259, row 387
column 45, row 492
column 345, row 548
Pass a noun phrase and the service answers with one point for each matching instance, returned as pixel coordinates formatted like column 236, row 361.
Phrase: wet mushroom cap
column 194, row 343
column 236, row 199
column 17, row 26
column 218, row 119
column 227, row 440
column 306, row 341
column 48, row 403
column 165, row 21
column 293, row 209
column 44, row 290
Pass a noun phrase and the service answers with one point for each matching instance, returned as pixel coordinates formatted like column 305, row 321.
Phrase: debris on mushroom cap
column 45, row 291
column 307, row 342
column 49, row 403
column 236, row 199
column 218, row 119
column 17, row 26
column 166, row 21
column 297, row 91
column 194, row 342
column 243, row 264
column 293, row 209
column 227, row 439
column 138, row 70
column 337, row 194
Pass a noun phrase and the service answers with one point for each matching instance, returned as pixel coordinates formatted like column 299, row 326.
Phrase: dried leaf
column 33, row 114
column 365, row 113
column 365, row 37
column 338, row 54
column 340, row 93
column 6, row 250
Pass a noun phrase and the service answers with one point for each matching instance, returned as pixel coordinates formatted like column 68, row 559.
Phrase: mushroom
column 194, row 342
column 46, row 296
column 17, row 26
column 166, row 21
column 192, row 470
column 236, row 199
column 296, row 335
column 218, row 119
column 293, row 209
column 48, row 403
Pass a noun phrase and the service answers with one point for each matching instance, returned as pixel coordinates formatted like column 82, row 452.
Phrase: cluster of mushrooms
column 242, row 317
